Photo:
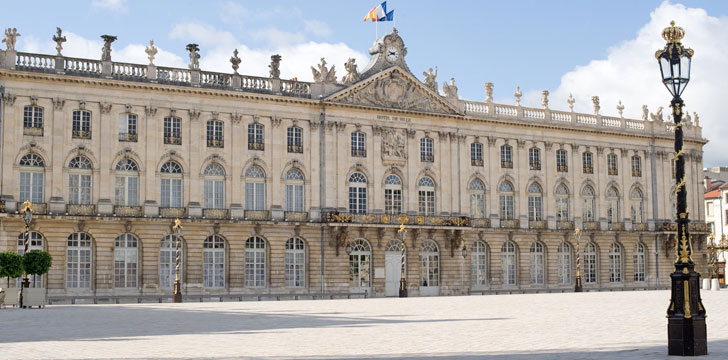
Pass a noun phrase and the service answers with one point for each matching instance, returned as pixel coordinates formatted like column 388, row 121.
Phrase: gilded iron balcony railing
column 296, row 216
column 612, row 171
column 216, row 213
column 692, row 227
column 125, row 210
column 173, row 140
column 617, row 226
column 128, row 137
column 639, row 226
column 536, row 166
column 257, row 215
column 81, row 209
column 591, row 225
column 562, row 168
column 215, row 143
column 2, row 206
column 565, row 225
column 256, row 146
column 636, row 173
column 588, row 170
column 358, row 153
column 345, row 217
column 480, row 223
column 295, row 149
column 81, row 134
column 476, row 162
column 510, row 223
column 537, row 224
column 33, row 131
column 507, row 164
column 427, row 157
column 172, row 212
column 38, row 208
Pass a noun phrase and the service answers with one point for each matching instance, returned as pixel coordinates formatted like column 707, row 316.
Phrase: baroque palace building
column 292, row 187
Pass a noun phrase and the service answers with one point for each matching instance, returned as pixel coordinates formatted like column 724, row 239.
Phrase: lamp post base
column 686, row 337
column 578, row 287
column 403, row 288
column 686, row 330
column 177, row 292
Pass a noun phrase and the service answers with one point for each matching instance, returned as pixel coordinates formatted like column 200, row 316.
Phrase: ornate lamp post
column 27, row 218
column 403, row 275
column 177, row 227
column 578, row 287
column 686, row 331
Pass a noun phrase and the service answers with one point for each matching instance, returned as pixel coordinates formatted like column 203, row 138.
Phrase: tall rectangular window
column 476, row 154
column 612, row 164
column 295, row 140
column 636, row 166
column 172, row 130
column 506, row 157
column 79, row 188
column 81, row 125
column 127, row 190
column 128, row 127
column 358, row 144
column 214, row 194
column 587, row 162
column 294, row 197
column 31, row 186
column 534, row 158
column 562, row 164
column 426, row 154
column 171, row 193
column 33, row 117
column 215, row 134
column 255, row 136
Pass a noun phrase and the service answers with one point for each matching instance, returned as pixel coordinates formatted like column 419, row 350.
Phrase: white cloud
column 233, row 13
column 276, row 37
column 202, row 34
column 115, row 5
column 317, row 28
column 630, row 73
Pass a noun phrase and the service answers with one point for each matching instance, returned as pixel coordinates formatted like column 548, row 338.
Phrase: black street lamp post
column 27, row 218
column 578, row 287
column 686, row 331
column 177, row 284
column 403, row 275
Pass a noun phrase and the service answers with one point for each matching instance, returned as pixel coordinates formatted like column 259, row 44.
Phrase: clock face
column 392, row 54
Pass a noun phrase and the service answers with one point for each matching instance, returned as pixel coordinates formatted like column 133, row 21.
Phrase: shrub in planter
column 11, row 265
column 37, row 262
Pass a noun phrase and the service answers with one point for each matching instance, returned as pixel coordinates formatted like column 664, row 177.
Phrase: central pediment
column 394, row 89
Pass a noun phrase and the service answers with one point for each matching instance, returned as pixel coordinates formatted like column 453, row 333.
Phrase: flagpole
column 376, row 27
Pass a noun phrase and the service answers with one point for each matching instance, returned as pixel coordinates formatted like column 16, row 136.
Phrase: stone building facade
column 293, row 187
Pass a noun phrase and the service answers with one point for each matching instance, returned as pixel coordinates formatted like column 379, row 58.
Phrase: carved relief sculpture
column 59, row 39
column 275, row 66
column 151, row 51
column 235, row 60
column 430, row 79
column 323, row 74
column 194, row 56
column 352, row 75
column 106, row 50
column 11, row 35
column 393, row 144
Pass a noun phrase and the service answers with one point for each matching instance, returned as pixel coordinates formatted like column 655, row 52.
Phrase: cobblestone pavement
column 605, row 325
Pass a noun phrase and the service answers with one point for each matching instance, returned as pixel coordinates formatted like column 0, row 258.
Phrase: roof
column 712, row 194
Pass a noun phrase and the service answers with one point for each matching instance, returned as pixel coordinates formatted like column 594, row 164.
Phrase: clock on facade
column 392, row 54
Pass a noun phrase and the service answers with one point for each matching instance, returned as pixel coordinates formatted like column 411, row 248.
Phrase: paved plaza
column 603, row 325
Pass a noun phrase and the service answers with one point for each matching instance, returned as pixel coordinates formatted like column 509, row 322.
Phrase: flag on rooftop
column 379, row 13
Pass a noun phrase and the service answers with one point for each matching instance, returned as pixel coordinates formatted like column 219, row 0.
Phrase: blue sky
column 563, row 46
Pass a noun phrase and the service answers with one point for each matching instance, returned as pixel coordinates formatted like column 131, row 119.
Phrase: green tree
column 37, row 262
column 11, row 265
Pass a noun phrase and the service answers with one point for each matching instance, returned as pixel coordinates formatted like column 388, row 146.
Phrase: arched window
column 590, row 208
column 612, row 164
column 508, row 263
column 562, row 162
column 255, row 260
column 587, row 162
column 294, row 190
column 360, row 255
column 639, row 262
column 537, row 263
column 357, row 193
column 392, row 195
column 505, row 194
column 214, row 261
column 295, row 139
column 426, row 150
column 534, row 158
column 429, row 268
column 613, row 205
column 127, row 183
column 32, row 173
column 78, row 261
column 637, row 208
column 215, row 134
column 168, row 261
column 79, row 180
column 479, row 264
column 214, row 186
column 255, row 188
column 636, row 166
column 81, row 124
column 562, row 203
column 590, row 264
column 476, row 189
column 171, row 191
column 535, row 202
column 426, row 195
column 36, row 243
column 564, row 263
column 615, row 263
column 126, row 258
column 506, row 156
column 358, row 144
column 295, row 263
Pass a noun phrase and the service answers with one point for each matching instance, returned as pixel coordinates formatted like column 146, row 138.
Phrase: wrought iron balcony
column 358, row 152
column 639, row 226
column 257, row 215
column 216, row 213
column 612, row 171
column 296, row 216
column 173, row 140
column 128, row 137
column 124, row 210
column 345, row 217
column 565, row 225
column 636, row 173
column 476, row 162
column 536, row 165
column 81, row 209
column 507, row 164
column 427, row 157
column 591, row 225
column 215, row 143
column 537, row 224
column 480, row 223
column 510, row 224
column 172, row 212
column 38, row 208
column 562, row 168
column 616, row 226
column 588, row 170
column 295, row 149
column 81, row 134
column 256, row 146
column 33, row 131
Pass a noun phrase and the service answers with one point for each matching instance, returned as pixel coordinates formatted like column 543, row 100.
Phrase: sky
column 584, row 48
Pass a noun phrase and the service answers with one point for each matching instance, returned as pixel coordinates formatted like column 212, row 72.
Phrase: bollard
column 706, row 284
column 715, row 284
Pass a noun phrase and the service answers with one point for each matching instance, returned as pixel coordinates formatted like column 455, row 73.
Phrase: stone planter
column 12, row 297
column 34, row 297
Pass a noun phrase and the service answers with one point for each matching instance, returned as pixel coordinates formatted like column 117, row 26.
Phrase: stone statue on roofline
column 545, row 99
column 488, row 91
column 352, row 74
column 595, row 101
column 235, row 61
column 658, row 115
column 194, row 56
column 430, row 79
column 450, row 90
column 517, row 94
column 571, row 102
column 324, row 74
column 59, row 39
column 645, row 113
column 106, row 50
column 11, row 35
column 275, row 66
column 151, row 51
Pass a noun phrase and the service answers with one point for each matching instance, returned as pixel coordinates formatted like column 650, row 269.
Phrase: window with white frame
column 534, row 158
column 32, row 174
column 168, row 260
column 126, row 259
column 295, row 139
column 172, row 130
column 612, row 164
column 358, row 144
column 213, row 262
column 537, row 263
column 506, row 153
column 35, row 243
column 214, row 190
column 589, row 210
column 562, row 163
column 637, row 206
column 127, row 183
column 476, row 190
column 255, row 137
column 79, row 180
column 613, row 205
column 639, row 262
column 562, row 203
column 33, row 117
column 215, row 133
column 508, row 263
column 429, row 264
column 128, row 127
column 476, row 154
column 254, row 188
column 505, row 199
column 535, row 202
column 709, row 209
column 590, row 263
column 81, row 124
column 357, row 193
column 360, row 264
column 295, row 263
column 479, row 264
column 426, row 195
column 587, row 162
column 615, row 263
column 426, row 150
column 393, row 195
column 294, row 190
column 564, row 263
column 78, row 261
column 255, row 260
column 636, row 166
column 171, row 186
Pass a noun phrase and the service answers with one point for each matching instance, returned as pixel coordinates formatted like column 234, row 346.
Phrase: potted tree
column 11, row 266
column 36, row 262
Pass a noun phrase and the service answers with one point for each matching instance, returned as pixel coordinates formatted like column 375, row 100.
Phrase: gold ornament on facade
column 177, row 224
column 27, row 206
